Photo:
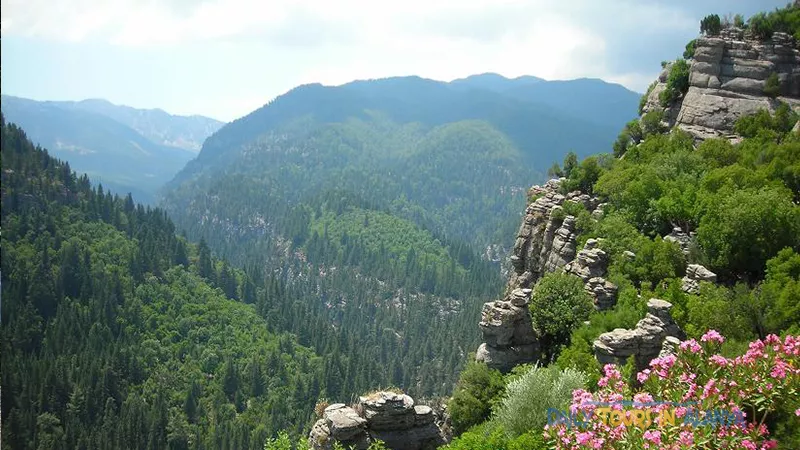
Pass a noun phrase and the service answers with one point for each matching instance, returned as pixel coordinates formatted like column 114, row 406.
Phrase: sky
column 226, row 58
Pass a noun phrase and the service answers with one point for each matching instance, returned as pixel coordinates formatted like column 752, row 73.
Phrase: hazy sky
column 224, row 58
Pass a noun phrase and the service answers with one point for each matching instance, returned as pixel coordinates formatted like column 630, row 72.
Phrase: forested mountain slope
column 114, row 335
column 126, row 149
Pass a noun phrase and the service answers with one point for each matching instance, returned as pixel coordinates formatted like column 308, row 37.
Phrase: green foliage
column 688, row 52
column 738, row 21
column 126, row 345
column 527, row 398
column 558, row 305
column 761, row 25
column 643, row 98
column 766, row 125
column 677, row 83
column 711, row 25
column 583, row 176
column 743, row 229
column 772, row 86
column 476, row 391
column 490, row 436
column 652, row 123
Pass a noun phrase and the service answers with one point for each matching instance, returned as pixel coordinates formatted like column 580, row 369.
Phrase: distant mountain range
column 125, row 149
column 455, row 157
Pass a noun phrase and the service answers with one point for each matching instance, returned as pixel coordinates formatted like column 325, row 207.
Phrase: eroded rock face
column 695, row 273
column 386, row 416
column 727, row 77
column 591, row 265
column 644, row 342
column 507, row 331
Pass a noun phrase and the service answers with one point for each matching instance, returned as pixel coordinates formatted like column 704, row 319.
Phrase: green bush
column 524, row 406
column 677, row 83
column 772, row 86
column 559, row 304
column 711, row 25
column 761, row 26
column 764, row 124
column 651, row 123
column 490, row 436
column 643, row 99
column 688, row 52
column 476, row 390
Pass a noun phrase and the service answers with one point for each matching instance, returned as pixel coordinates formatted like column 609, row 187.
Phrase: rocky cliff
column 385, row 416
column 546, row 242
column 727, row 75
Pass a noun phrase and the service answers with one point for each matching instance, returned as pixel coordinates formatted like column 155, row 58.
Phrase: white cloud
column 334, row 42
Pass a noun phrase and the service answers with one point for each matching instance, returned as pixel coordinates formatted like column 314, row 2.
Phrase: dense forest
column 120, row 333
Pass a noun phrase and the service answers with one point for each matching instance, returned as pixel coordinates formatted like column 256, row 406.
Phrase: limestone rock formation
column 727, row 76
column 386, row 416
column 681, row 238
column 546, row 238
column 695, row 273
column 644, row 342
column 508, row 336
column 591, row 265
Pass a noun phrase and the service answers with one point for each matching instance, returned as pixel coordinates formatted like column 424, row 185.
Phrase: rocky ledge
column 644, row 342
column 727, row 76
column 386, row 416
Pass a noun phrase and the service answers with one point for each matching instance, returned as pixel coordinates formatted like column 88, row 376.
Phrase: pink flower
column 797, row 412
column 748, row 444
column 690, row 345
column 719, row 360
column 686, row 438
column 643, row 397
column 643, row 375
column 583, row 438
column 767, row 445
column 712, row 336
column 653, row 436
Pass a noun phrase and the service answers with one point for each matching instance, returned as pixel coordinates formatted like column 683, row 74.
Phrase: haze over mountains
column 125, row 149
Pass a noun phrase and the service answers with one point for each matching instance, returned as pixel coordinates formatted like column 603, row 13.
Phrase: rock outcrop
column 508, row 336
column 727, row 76
column 681, row 238
column 695, row 273
column 644, row 342
column 546, row 239
column 386, row 416
column 590, row 266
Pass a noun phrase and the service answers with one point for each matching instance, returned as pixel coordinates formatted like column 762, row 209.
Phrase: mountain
column 186, row 132
column 96, row 138
column 377, row 202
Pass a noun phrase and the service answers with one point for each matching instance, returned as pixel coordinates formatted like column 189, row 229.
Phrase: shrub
column 738, row 21
column 559, row 304
column 772, row 86
column 476, row 390
column 489, row 436
column 761, row 26
column 688, row 52
column 651, row 123
column 710, row 25
column 677, row 83
column 527, row 399
column 643, row 99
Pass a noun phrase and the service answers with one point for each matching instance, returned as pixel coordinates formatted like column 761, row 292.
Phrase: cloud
column 289, row 42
